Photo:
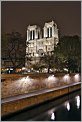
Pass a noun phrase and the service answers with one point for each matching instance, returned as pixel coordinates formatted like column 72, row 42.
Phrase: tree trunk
column 49, row 69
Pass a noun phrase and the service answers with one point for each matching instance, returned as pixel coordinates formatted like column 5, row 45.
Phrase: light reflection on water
column 78, row 101
column 70, row 110
column 52, row 116
column 66, row 108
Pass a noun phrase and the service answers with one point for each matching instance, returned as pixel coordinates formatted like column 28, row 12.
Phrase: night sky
column 17, row 15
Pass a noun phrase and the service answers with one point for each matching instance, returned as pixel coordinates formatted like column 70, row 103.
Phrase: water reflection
column 59, row 113
column 68, row 106
column 78, row 101
column 52, row 116
column 61, row 109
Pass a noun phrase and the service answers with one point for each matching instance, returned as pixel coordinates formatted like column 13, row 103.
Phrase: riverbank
column 14, row 105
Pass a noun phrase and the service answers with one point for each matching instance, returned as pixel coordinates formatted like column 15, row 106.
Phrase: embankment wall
column 16, row 105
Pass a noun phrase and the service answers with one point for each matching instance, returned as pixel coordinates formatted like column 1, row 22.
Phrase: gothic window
column 49, row 31
column 33, row 53
column 32, row 35
column 38, row 35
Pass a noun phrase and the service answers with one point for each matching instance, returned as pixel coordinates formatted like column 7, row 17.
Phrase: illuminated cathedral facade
column 40, row 41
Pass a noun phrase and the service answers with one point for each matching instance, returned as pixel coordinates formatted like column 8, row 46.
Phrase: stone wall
column 12, row 84
column 10, row 107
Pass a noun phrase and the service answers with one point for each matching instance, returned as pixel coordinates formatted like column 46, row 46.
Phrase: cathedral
column 40, row 41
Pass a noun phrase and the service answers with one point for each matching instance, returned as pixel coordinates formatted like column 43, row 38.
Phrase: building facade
column 40, row 42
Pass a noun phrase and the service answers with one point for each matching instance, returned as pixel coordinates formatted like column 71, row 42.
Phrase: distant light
column 18, row 70
column 65, row 69
column 31, row 68
column 52, row 116
column 11, row 68
column 37, row 55
column 50, row 69
column 9, row 71
column 7, row 68
column 45, row 69
column 28, row 70
column 23, row 68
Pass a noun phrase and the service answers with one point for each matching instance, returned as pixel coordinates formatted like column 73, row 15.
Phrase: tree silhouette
column 15, row 49
column 70, row 48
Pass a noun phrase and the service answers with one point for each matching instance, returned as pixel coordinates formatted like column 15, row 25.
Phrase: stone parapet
column 19, row 104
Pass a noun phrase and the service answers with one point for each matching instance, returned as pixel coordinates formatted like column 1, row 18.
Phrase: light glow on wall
column 66, row 78
column 51, row 78
column 77, row 78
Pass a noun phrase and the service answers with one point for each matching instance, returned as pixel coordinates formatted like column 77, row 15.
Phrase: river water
column 66, row 108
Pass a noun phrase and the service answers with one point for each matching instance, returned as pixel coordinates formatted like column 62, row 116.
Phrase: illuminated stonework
column 40, row 42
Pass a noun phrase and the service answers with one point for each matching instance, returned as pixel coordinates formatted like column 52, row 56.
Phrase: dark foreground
column 66, row 108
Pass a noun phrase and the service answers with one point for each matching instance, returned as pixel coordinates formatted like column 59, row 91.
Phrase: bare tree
column 15, row 50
